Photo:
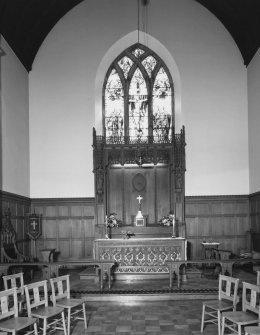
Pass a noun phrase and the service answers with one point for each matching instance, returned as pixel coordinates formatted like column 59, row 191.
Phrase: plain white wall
column 15, row 124
column 212, row 94
column 254, row 122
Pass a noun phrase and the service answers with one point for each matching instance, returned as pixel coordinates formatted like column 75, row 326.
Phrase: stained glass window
column 125, row 63
column 149, row 64
column 162, row 106
column 138, row 98
column 138, row 107
column 137, row 52
column 114, row 106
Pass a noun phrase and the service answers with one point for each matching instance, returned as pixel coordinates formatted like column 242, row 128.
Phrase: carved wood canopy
column 128, row 151
column 117, row 174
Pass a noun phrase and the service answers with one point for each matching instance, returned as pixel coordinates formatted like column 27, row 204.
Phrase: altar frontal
column 138, row 258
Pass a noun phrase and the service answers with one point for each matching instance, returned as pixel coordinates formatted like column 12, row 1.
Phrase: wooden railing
column 178, row 267
column 52, row 268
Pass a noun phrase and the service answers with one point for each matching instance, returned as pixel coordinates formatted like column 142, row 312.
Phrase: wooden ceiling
column 26, row 23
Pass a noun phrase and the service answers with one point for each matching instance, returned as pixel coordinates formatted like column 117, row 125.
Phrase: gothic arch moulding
column 115, row 50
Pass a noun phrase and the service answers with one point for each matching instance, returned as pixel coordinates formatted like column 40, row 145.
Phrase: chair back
column 36, row 295
column 8, row 303
column 250, row 298
column 228, row 288
column 14, row 280
column 60, row 288
column 258, row 277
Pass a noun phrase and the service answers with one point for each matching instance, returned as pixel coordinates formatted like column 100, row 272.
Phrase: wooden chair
column 227, row 300
column 254, row 330
column 9, row 320
column 37, row 306
column 16, row 280
column 60, row 296
column 250, row 313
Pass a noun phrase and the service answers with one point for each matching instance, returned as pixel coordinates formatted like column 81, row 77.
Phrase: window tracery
column 138, row 98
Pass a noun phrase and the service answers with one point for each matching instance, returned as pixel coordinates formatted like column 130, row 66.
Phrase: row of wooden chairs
column 40, row 313
column 224, row 313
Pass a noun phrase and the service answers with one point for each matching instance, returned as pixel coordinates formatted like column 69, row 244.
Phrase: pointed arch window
column 138, row 98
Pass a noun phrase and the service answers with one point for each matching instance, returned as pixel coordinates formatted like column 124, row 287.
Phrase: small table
column 209, row 249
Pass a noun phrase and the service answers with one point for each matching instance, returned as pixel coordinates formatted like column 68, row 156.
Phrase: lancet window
column 138, row 98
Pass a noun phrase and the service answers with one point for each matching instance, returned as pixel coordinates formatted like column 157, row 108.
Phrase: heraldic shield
column 34, row 226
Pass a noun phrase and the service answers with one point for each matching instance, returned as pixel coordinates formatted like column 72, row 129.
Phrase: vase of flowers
column 169, row 220
column 110, row 222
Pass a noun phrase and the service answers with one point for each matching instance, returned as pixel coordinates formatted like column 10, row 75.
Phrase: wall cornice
column 12, row 196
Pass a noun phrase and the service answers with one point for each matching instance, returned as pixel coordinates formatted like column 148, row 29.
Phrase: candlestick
column 106, row 229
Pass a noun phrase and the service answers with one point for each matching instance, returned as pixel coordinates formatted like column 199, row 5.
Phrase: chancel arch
column 136, row 151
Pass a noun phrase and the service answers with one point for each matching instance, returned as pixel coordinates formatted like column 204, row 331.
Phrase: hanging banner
column 34, row 226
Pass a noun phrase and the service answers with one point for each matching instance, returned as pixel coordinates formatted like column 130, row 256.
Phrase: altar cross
column 139, row 198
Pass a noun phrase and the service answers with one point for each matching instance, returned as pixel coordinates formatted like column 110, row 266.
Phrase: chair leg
column 69, row 313
column 84, row 314
column 202, row 318
column 64, row 323
column 223, row 326
column 35, row 328
column 219, row 323
column 44, row 326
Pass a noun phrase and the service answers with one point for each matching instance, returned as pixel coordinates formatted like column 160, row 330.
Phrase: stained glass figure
column 162, row 107
column 125, row 63
column 114, row 106
column 138, row 103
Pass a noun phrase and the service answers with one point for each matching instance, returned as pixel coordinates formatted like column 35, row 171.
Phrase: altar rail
column 179, row 268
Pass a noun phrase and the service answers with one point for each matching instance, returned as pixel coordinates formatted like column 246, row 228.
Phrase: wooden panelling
column 154, row 188
column 224, row 219
column 255, row 211
column 163, row 188
column 68, row 226
column 116, row 187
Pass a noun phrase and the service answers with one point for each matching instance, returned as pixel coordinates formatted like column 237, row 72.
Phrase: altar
column 138, row 258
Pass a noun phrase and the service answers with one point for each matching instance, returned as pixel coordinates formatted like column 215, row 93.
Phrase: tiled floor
column 162, row 317
column 142, row 317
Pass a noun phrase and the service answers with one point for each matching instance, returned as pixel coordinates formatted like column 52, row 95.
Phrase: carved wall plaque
column 139, row 182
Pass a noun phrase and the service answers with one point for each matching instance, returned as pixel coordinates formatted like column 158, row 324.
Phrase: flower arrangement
column 112, row 221
column 167, row 220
